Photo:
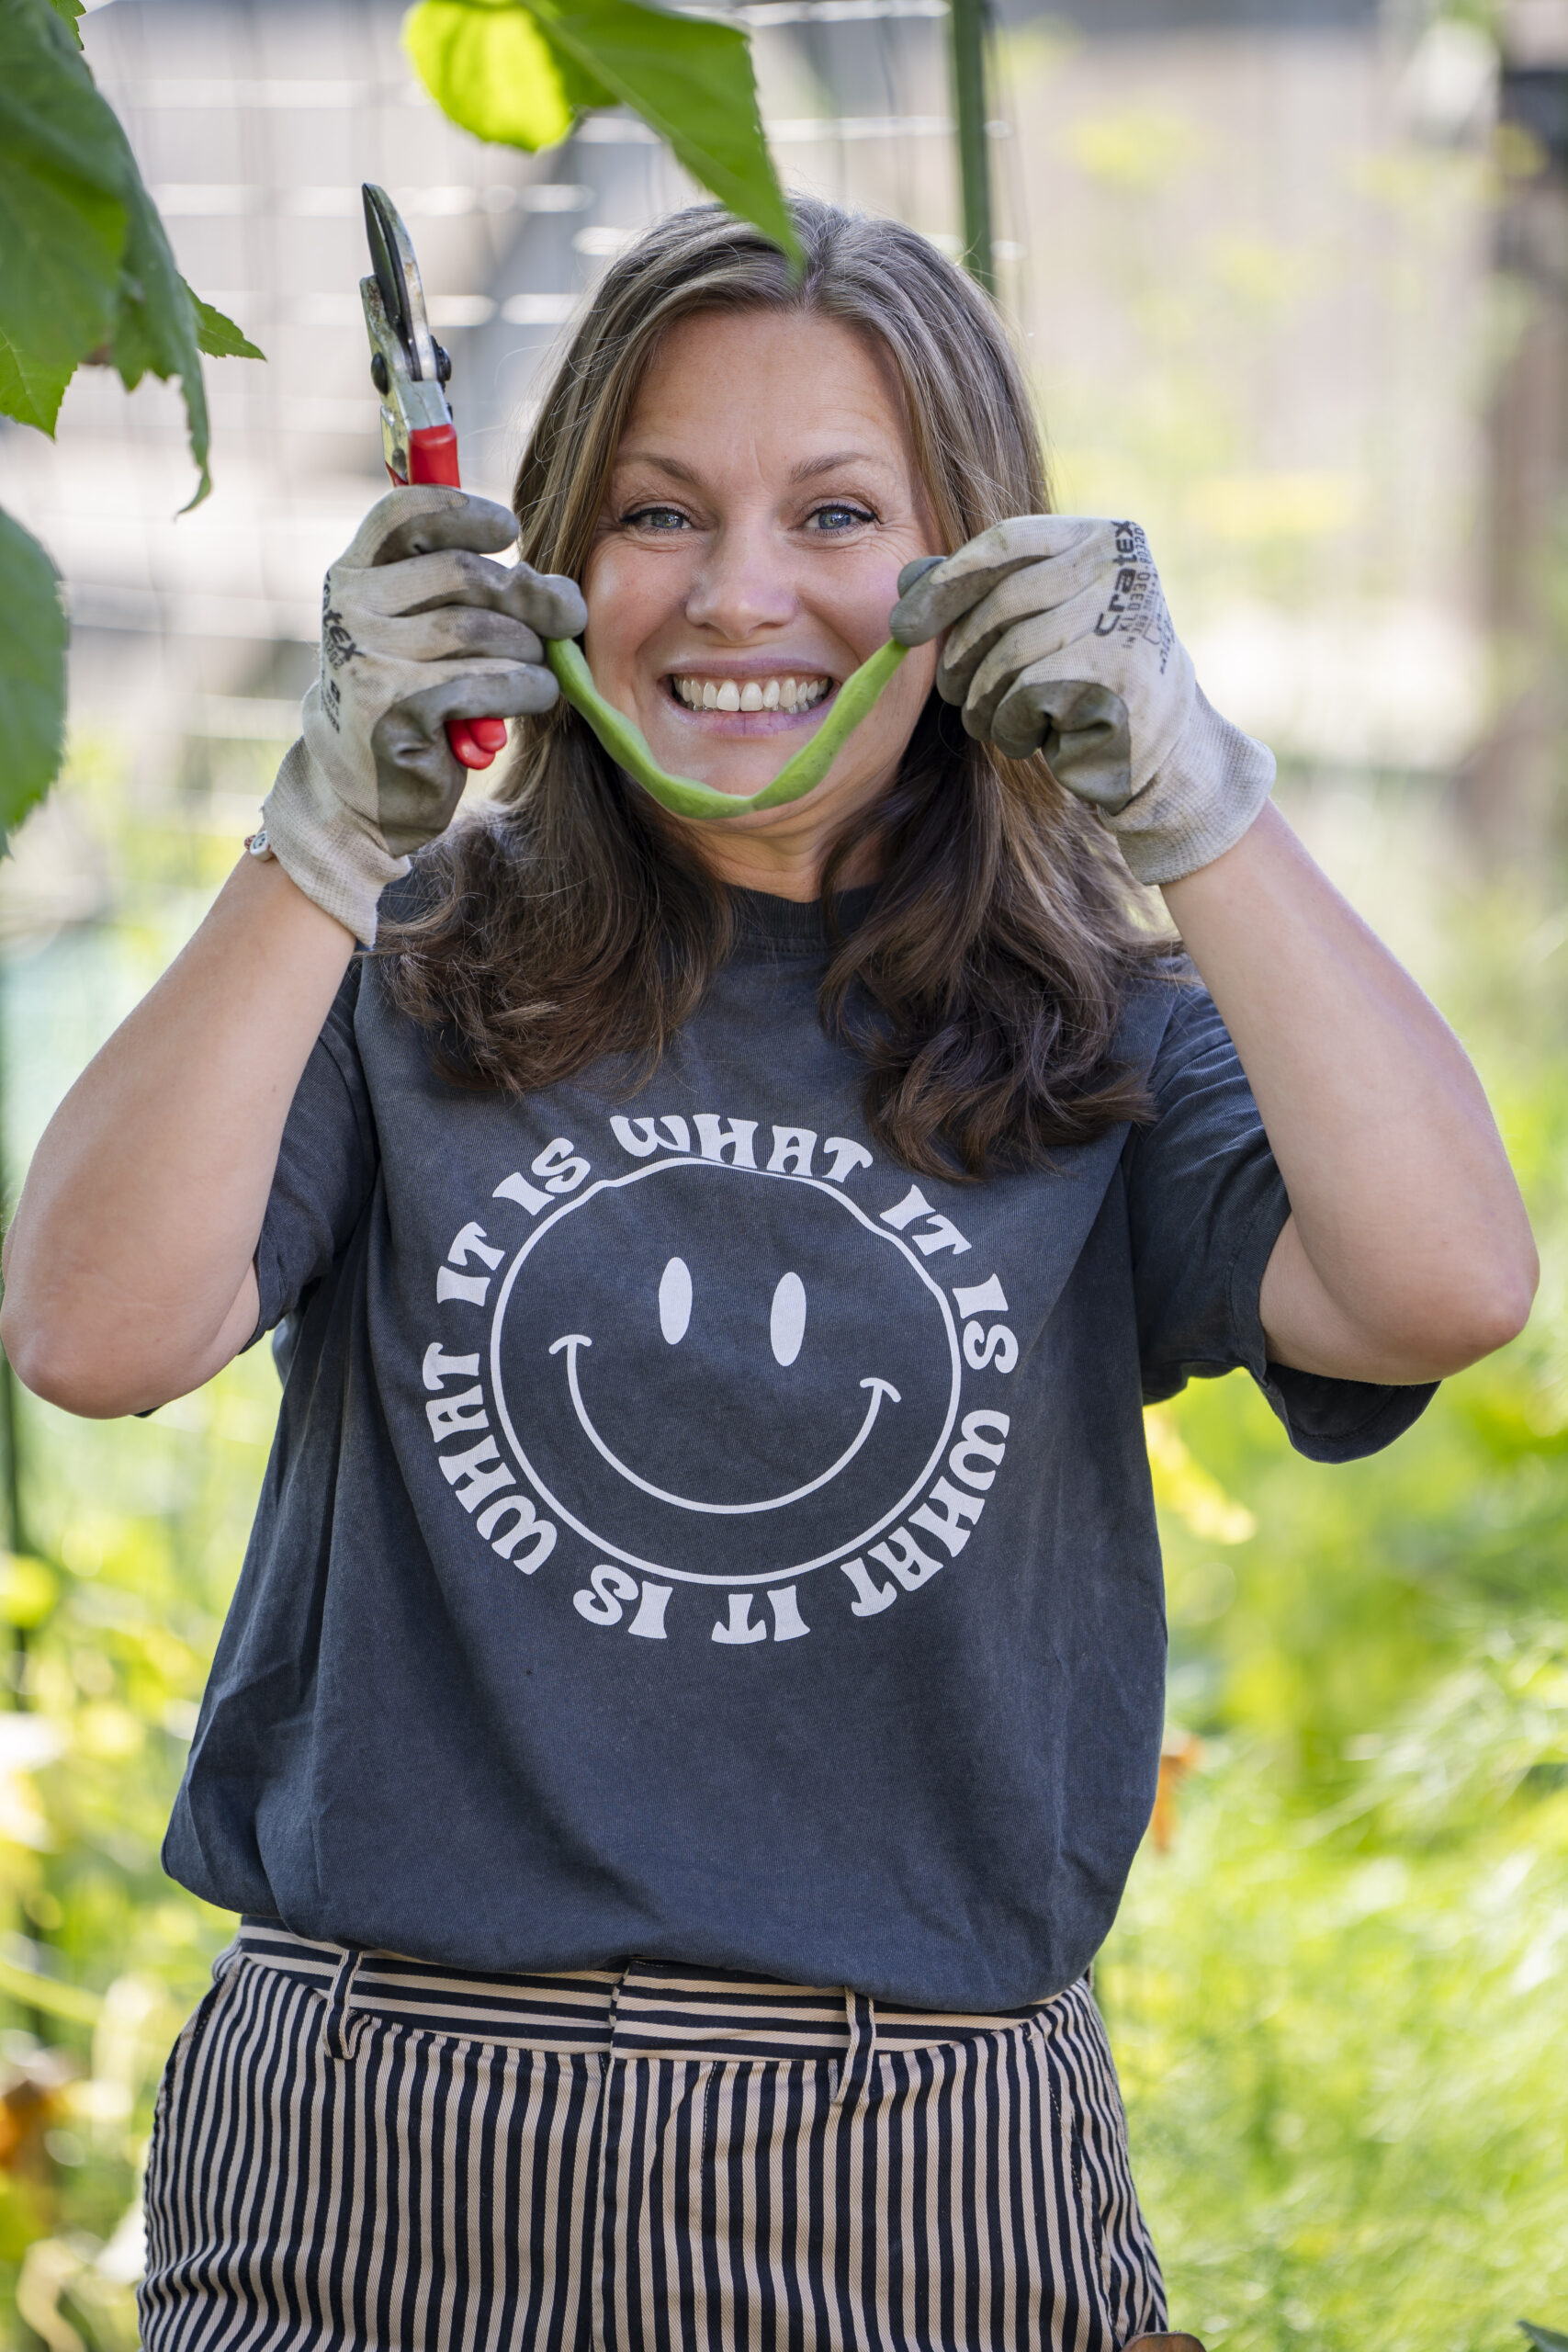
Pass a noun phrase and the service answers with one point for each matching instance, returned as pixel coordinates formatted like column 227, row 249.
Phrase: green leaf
column 155, row 328
column 31, row 390
column 68, row 12
column 32, row 673
column 219, row 336
column 515, row 71
column 691, row 80
column 63, row 218
column 488, row 65
column 84, row 263
column 1545, row 2339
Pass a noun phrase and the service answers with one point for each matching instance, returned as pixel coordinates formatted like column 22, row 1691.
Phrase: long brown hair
column 568, row 922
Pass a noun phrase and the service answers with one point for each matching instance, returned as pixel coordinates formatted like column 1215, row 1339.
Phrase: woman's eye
column 655, row 518
column 837, row 517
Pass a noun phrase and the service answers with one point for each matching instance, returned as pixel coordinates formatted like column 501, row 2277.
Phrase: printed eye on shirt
column 696, row 1366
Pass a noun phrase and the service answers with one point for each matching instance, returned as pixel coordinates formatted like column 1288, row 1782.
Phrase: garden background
column 1290, row 280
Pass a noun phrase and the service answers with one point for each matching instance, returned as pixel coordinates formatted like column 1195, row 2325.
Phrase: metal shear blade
column 397, row 274
column 409, row 365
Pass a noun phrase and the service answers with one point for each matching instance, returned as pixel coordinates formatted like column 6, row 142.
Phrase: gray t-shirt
column 689, row 1535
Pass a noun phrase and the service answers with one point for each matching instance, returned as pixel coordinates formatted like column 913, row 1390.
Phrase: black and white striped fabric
column 359, row 2151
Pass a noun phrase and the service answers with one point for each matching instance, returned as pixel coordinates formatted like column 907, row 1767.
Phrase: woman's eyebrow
column 809, row 468
column 661, row 465
column 806, row 469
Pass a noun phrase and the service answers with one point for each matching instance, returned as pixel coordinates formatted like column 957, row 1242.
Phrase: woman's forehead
column 803, row 393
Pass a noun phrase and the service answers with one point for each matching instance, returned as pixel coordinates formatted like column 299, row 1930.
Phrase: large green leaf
column 488, row 65
column 68, row 11
column 86, row 271
column 62, row 216
column 156, row 327
column 1545, row 2339
column 32, row 673
column 31, row 389
column 689, row 77
column 691, row 80
column 84, row 266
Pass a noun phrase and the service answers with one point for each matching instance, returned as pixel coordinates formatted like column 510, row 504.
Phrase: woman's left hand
column 1406, row 1253
column 1059, row 641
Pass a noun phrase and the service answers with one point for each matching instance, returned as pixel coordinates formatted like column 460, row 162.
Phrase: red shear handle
column 433, row 456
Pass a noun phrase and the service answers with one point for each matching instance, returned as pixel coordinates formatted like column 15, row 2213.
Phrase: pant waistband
column 645, row 2008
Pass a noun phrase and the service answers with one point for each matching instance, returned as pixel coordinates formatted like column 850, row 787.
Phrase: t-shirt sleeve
column 1206, row 1204
column 326, row 1167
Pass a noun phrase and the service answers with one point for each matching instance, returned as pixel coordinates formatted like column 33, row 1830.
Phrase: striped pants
column 357, row 2151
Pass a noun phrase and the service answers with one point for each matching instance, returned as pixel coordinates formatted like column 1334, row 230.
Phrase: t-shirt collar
column 766, row 926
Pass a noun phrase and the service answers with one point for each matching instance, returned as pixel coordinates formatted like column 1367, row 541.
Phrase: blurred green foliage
column 1337, row 1997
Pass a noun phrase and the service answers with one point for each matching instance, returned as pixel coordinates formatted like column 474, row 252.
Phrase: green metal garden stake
column 967, row 27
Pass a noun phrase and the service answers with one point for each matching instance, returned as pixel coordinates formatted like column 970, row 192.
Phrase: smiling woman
column 884, row 416
column 697, row 1684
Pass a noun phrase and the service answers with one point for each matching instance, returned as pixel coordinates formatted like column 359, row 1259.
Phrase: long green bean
column 628, row 746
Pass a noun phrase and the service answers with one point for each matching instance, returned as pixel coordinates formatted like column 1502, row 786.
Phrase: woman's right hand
column 129, row 1264
column 419, row 627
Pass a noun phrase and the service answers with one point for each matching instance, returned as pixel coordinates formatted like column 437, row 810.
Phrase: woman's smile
column 741, row 702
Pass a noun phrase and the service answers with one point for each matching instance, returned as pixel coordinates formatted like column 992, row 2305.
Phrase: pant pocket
column 188, row 2039
column 1126, row 2266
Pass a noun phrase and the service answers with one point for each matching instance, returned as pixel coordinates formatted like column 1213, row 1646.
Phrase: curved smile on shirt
column 573, row 1340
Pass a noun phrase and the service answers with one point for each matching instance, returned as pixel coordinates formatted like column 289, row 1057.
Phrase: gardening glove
column 418, row 626
column 1059, row 641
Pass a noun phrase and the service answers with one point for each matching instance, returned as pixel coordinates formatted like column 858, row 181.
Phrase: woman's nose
column 745, row 584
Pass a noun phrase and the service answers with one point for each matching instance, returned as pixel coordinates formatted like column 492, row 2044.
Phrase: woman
column 704, row 1611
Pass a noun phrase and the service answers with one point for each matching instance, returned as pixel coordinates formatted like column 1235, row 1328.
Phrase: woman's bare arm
column 128, row 1274
column 1407, row 1253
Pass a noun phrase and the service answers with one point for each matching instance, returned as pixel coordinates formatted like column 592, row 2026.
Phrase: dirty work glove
column 418, row 626
column 1059, row 641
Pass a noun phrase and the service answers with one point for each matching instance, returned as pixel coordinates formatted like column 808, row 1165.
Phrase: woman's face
column 763, row 502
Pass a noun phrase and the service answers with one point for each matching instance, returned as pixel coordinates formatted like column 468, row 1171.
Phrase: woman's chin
column 737, row 765
column 737, row 752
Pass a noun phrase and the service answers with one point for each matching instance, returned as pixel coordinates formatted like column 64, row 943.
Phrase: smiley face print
column 722, row 1374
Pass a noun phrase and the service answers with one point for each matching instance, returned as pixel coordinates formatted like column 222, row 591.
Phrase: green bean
column 628, row 746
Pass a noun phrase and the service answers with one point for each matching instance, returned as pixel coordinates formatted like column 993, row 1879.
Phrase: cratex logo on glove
column 733, row 1358
column 1136, row 606
column 337, row 647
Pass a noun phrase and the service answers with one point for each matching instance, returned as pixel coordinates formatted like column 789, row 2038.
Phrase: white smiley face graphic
column 720, row 1374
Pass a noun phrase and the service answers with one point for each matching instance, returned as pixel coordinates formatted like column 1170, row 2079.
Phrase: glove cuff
column 325, row 852
column 1199, row 802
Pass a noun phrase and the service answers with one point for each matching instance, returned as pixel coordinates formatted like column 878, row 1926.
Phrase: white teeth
column 728, row 693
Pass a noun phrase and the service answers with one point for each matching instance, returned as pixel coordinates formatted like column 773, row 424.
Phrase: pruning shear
column 410, row 371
